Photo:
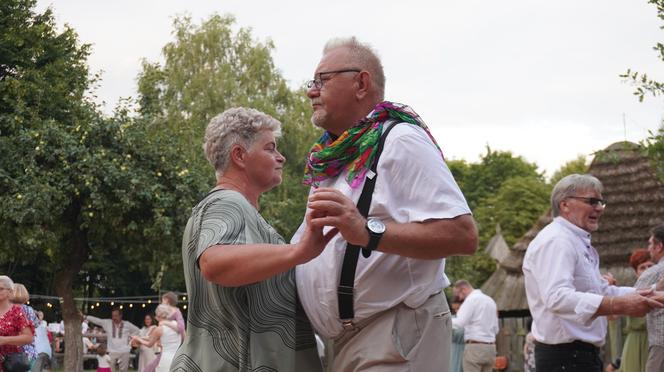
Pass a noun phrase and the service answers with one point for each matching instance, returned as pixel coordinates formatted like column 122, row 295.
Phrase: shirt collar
column 581, row 233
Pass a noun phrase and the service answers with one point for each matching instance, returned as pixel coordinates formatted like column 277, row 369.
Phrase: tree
column 208, row 69
column 641, row 81
column 501, row 189
column 577, row 165
column 483, row 179
column 654, row 147
column 74, row 184
column 516, row 206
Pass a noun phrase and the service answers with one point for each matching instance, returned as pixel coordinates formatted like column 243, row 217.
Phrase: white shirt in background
column 564, row 285
column 117, row 342
column 478, row 316
column 104, row 361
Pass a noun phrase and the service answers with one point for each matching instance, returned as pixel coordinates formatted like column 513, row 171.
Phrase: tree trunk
column 63, row 285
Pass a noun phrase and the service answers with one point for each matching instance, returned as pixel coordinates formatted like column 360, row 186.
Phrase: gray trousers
column 401, row 339
column 655, row 361
column 122, row 359
column 479, row 358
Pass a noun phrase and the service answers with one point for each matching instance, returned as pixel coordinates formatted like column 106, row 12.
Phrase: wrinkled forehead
column 587, row 192
column 334, row 59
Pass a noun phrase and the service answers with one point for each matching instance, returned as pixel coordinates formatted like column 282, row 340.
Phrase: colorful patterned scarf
column 355, row 149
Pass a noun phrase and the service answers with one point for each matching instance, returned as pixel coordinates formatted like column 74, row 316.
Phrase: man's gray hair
column 569, row 185
column 238, row 125
column 7, row 282
column 364, row 56
column 461, row 283
column 658, row 233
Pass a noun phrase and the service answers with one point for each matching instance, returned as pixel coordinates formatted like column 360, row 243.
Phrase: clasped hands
column 329, row 207
column 638, row 303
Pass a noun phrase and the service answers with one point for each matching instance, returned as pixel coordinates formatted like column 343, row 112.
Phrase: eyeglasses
column 319, row 81
column 594, row 202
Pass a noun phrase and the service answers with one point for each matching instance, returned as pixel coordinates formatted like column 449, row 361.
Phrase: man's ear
column 364, row 85
column 238, row 156
column 563, row 206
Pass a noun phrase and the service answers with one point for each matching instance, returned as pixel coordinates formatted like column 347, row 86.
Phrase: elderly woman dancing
column 243, row 309
column 15, row 328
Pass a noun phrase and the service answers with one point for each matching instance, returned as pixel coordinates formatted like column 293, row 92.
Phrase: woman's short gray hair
column 238, row 125
column 569, row 185
column 163, row 311
column 7, row 282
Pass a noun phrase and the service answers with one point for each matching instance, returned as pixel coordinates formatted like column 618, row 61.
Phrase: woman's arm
column 151, row 340
column 237, row 265
column 172, row 324
column 24, row 338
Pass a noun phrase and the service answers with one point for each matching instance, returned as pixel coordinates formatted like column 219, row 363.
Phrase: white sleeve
column 465, row 314
column 553, row 270
column 414, row 184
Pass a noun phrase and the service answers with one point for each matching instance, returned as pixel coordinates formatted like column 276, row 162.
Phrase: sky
column 537, row 78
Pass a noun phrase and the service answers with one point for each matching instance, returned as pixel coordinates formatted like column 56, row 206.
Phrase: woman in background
column 15, row 328
column 635, row 349
column 21, row 298
column 146, row 354
column 169, row 338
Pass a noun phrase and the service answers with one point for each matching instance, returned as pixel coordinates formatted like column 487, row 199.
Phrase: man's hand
column 329, row 207
column 655, row 295
column 609, row 278
column 638, row 303
column 660, row 285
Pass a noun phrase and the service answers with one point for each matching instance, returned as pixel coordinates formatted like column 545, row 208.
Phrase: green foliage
column 654, row 147
column 73, row 183
column 475, row 269
column 517, row 205
column 483, row 179
column 500, row 189
column 577, row 165
column 643, row 84
column 208, row 69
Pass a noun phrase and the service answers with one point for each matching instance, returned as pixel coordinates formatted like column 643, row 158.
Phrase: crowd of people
column 26, row 344
column 365, row 271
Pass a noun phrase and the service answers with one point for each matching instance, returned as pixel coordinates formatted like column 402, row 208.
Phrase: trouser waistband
column 574, row 345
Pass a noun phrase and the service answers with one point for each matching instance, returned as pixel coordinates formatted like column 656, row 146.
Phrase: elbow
column 469, row 238
column 216, row 273
column 27, row 339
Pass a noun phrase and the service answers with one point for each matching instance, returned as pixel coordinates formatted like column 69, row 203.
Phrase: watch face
column 376, row 226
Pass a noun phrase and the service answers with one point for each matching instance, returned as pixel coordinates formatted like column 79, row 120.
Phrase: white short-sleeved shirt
column 564, row 286
column 413, row 185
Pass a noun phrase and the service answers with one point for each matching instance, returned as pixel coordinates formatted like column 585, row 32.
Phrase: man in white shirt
column 567, row 295
column 478, row 316
column 417, row 217
column 118, row 334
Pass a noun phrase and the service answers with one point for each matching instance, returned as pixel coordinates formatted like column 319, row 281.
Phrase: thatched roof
column 497, row 247
column 635, row 199
column 635, row 204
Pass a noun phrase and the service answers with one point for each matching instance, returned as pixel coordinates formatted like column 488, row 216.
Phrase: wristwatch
column 376, row 228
